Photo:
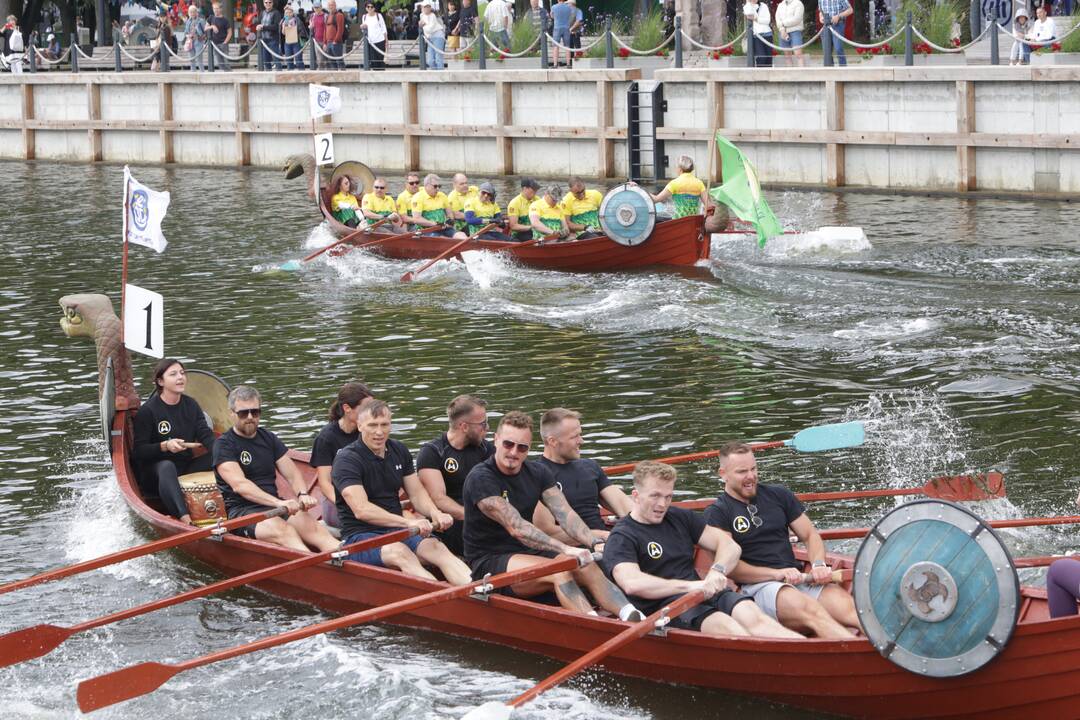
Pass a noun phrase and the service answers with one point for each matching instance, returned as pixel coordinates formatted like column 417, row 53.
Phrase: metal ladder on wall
column 645, row 107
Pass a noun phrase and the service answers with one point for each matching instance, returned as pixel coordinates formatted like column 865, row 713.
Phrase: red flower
column 715, row 54
column 956, row 42
column 662, row 52
column 887, row 48
column 923, row 48
column 727, row 51
column 467, row 56
column 1055, row 47
column 624, row 53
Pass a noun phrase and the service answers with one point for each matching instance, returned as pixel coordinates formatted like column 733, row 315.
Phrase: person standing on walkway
column 434, row 35
column 563, row 16
column 317, row 24
column 789, row 24
column 195, row 38
column 499, row 16
column 220, row 34
column 757, row 12
column 290, row 33
column 269, row 33
column 375, row 27
column 335, row 36
column 832, row 15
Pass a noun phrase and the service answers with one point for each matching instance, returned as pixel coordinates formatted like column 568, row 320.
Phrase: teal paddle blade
column 829, row 437
column 291, row 266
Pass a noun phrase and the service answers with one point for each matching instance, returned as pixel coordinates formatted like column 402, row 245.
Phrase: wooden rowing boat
column 1033, row 674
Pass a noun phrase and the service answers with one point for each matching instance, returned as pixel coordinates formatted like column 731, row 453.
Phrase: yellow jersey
column 343, row 200
column 518, row 209
column 458, row 200
column 590, row 203
column 380, row 206
column 404, row 202
column 485, row 211
column 431, row 208
column 686, row 194
column 551, row 216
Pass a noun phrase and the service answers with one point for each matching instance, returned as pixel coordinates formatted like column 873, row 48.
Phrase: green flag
column 742, row 193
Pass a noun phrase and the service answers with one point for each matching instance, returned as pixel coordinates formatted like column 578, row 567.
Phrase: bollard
column 260, row 61
column 826, row 44
column 678, row 41
column 995, row 58
column 543, row 38
column 164, row 64
column 481, row 43
column 423, row 51
column 909, row 51
column 74, row 53
column 751, row 61
column 33, row 52
column 314, row 60
column 366, row 51
column 211, row 61
column 609, row 50
column 117, row 59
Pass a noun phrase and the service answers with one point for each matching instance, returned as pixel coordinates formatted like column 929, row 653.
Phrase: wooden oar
column 293, row 265
column 814, row 439
column 499, row 711
column 957, row 488
column 847, row 533
column 136, row 680
column 38, row 640
column 1041, row 561
column 152, row 547
column 410, row 276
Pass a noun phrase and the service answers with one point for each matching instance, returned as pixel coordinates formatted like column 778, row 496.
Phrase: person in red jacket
column 318, row 32
column 335, row 35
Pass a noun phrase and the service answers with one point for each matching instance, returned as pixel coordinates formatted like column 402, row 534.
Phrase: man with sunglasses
column 760, row 519
column 377, row 205
column 445, row 462
column 500, row 496
column 482, row 211
column 404, row 198
column 369, row 476
column 582, row 209
column 430, row 207
column 247, row 459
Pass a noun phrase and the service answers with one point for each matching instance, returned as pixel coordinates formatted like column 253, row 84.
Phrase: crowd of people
column 480, row 506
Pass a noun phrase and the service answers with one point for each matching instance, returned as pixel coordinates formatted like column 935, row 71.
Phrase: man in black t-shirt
column 368, row 476
column 445, row 462
column 500, row 496
column 220, row 34
column 758, row 518
column 650, row 555
column 581, row 480
column 247, row 459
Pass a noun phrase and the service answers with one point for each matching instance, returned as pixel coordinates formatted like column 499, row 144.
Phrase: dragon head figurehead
column 92, row 316
column 297, row 165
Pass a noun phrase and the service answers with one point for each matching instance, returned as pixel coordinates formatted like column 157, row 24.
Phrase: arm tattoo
column 568, row 520
column 502, row 512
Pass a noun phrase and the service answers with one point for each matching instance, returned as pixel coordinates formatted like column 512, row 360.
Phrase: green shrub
column 522, row 35
column 648, row 31
column 1072, row 42
column 619, row 26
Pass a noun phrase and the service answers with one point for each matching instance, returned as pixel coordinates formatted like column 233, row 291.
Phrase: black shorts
column 724, row 601
column 445, row 232
column 241, row 509
column 452, row 538
column 496, row 565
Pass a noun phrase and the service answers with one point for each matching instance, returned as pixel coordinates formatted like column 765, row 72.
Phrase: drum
column 204, row 501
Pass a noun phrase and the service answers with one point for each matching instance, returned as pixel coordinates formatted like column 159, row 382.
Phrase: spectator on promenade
column 14, row 45
column 335, row 36
column 453, row 25
column 1021, row 50
column 290, row 34
column 165, row 35
column 269, row 33
column 576, row 27
column 220, row 34
column 499, row 16
column 563, row 16
column 434, row 35
column 52, row 46
column 375, row 27
column 467, row 23
column 538, row 16
column 789, row 23
column 831, row 14
column 317, row 26
column 757, row 11
column 195, row 38
column 1043, row 31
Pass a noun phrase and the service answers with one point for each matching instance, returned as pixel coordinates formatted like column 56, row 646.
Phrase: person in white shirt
column 498, row 17
column 789, row 24
column 434, row 35
column 1043, row 30
column 375, row 28
column 758, row 12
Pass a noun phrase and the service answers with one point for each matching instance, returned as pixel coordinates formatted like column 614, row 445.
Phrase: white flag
column 324, row 100
column 144, row 209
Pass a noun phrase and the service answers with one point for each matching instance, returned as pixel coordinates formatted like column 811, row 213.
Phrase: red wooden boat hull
column 680, row 243
column 1036, row 673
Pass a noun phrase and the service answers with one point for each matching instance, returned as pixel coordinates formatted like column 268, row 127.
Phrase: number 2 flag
column 324, row 100
column 144, row 209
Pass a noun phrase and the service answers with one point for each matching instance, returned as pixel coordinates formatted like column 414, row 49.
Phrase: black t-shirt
column 455, row 465
column 221, row 28
column 257, row 457
column 484, row 536
column 665, row 550
column 327, row 443
column 381, row 478
column 157, row 421
column 581, row 481
column 767, row 545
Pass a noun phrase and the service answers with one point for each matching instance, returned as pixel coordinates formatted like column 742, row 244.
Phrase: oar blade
column 829, row 437
column 123, row 684
column 493, row 710
column 30, row 643
column 290, row 266
column 407, row 277
column 961, row 488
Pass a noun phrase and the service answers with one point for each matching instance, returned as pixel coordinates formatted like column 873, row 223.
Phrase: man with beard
column 445, row 462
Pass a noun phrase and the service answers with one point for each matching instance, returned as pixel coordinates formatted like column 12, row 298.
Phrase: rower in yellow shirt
column 482, row 211
column 518, row 210
column 547, row 214
column 462, row 191
column 404, row 198
column 583, row 209
column 430, row 207
column 687, row 192
column 377, row 205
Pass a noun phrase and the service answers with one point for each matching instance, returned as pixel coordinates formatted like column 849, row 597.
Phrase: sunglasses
column 249, row 412
column 510, row 445
column 754, row 519
column 436, row 186
column 413, row 182
column 481, row 423
column 379, row 187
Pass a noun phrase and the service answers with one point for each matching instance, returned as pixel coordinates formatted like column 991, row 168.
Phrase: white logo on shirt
column 245, row 458
column 741, row 524
column 655, row 550
column 451, row 465
column 164, row 428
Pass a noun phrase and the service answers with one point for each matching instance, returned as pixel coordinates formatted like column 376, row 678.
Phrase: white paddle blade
column 493, row 710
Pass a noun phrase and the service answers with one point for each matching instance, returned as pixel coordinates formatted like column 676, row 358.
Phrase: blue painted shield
column 628, row 215
column 935, row 589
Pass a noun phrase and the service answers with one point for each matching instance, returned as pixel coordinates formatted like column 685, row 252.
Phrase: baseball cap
column 487, row 188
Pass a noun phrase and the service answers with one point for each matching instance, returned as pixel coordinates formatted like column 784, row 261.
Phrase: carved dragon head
column 91, row 315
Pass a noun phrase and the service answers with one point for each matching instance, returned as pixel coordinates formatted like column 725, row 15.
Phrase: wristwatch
column 719, row 567
column 818, row 563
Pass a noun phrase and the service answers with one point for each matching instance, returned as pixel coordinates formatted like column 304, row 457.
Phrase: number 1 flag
column 324, row 100
column 144, row 209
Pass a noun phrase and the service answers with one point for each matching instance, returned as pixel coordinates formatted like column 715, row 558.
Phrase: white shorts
column 764, row 593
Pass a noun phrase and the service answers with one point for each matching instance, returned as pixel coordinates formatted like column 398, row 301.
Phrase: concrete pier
column 936, row 129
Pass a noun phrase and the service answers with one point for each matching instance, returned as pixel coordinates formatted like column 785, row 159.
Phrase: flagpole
column 124, row 262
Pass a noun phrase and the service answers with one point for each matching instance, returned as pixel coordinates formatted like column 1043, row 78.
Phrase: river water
column 954, row 333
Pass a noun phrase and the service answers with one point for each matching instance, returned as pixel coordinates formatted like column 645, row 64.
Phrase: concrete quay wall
column 937, row 129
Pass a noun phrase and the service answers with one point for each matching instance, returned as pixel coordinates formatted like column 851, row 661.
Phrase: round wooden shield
column 628, row 215
column 361, row 175
column 212, row 394
column 935, row 589
column 107, row 403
